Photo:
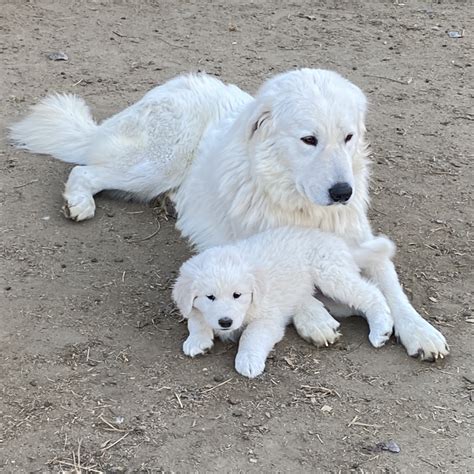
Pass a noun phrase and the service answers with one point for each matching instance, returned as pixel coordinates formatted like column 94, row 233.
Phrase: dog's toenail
column 420, row 353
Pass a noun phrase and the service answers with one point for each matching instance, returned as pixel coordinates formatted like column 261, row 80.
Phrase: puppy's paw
column 421, row 339
column 197, row 344
column 320, row 331
column 79, row 207
column 249, row 364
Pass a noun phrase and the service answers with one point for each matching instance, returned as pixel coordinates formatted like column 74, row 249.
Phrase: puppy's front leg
column 256, row 342
column 201, row 336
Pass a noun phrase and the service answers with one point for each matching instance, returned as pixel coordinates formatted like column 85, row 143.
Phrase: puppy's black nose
column 340, row 192
column 225, row 322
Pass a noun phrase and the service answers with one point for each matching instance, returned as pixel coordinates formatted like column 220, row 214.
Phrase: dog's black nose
column 340, row 192
column 225, row 322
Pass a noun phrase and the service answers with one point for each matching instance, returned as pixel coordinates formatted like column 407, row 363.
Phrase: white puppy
column 259, row 284
column 295, row 155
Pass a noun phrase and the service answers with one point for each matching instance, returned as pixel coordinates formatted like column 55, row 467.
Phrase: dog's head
column 306, row 126
column 220, row 285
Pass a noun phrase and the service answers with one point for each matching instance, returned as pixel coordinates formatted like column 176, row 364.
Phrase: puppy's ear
column 184, row 291
column 259, row 284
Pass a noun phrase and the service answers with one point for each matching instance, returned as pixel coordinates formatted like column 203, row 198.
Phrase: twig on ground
column 25, row 184
column 116, row 442
column 170, row 44
column 430, row 463
column 110, row 425
column 398, row 81
column 179, row 400
column 78, row 467
column 218, row 385
column 148, row 237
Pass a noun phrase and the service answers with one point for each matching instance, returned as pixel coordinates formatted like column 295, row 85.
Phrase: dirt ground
column 92, row 374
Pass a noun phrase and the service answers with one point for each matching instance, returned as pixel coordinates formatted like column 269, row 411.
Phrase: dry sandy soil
column 92, row 373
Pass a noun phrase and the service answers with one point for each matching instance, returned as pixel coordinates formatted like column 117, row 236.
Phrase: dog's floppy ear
column 260, row 117
column 184, row 291
column 259, row 284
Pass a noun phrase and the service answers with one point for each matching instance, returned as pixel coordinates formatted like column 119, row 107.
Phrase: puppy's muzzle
column 340, row 192
column 225, row 323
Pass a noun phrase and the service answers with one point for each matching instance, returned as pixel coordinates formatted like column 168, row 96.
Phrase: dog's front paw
column 421, row 339
column 381, row 332
column 195, row 345
column 320, row 331
column 79, row 208
column 249, row 364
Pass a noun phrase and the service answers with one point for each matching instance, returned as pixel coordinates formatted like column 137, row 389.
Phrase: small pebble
column 59, row 56
column 389, row 446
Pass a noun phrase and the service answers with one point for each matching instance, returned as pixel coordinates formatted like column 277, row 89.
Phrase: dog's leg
column 418, row 336
column 201, row 336
column 82, row 184
column 256, row 342
column 365, row 297
column 314, row 324
column 146, row 180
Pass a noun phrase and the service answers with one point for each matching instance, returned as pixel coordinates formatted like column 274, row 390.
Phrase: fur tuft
column 60, row 125
column 374, row 251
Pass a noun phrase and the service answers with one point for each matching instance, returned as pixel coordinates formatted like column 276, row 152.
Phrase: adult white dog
column 295, row 155
column 256, row 286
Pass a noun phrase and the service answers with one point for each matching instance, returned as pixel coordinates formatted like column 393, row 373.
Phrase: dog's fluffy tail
column 60, row 125
column 371, row 252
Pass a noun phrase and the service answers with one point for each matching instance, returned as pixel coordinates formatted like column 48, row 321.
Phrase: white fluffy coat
column 260, row 284
column 234, row 165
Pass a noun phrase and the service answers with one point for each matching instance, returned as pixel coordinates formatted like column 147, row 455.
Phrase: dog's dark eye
column 211, row 297
column 348, row 137
column 310, row 140
column 236, row 295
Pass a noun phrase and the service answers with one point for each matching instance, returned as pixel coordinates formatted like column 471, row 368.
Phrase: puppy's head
column 306, row 127
column 219, row 284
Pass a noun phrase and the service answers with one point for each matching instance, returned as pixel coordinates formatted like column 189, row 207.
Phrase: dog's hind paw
column 195, row 345
column 249, row 364
column 318, row 328
column 79, row 208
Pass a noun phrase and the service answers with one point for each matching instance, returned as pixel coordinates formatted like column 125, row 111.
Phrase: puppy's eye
column 210, row 297
column 310, row 140
column 236, row 295
column 348, row 137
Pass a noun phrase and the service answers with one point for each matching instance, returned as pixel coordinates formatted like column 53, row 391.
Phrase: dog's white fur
column 259, row 284
column 233, row 165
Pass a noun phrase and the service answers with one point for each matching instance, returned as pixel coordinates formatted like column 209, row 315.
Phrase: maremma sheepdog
column 234, row 165
column 253, row 288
